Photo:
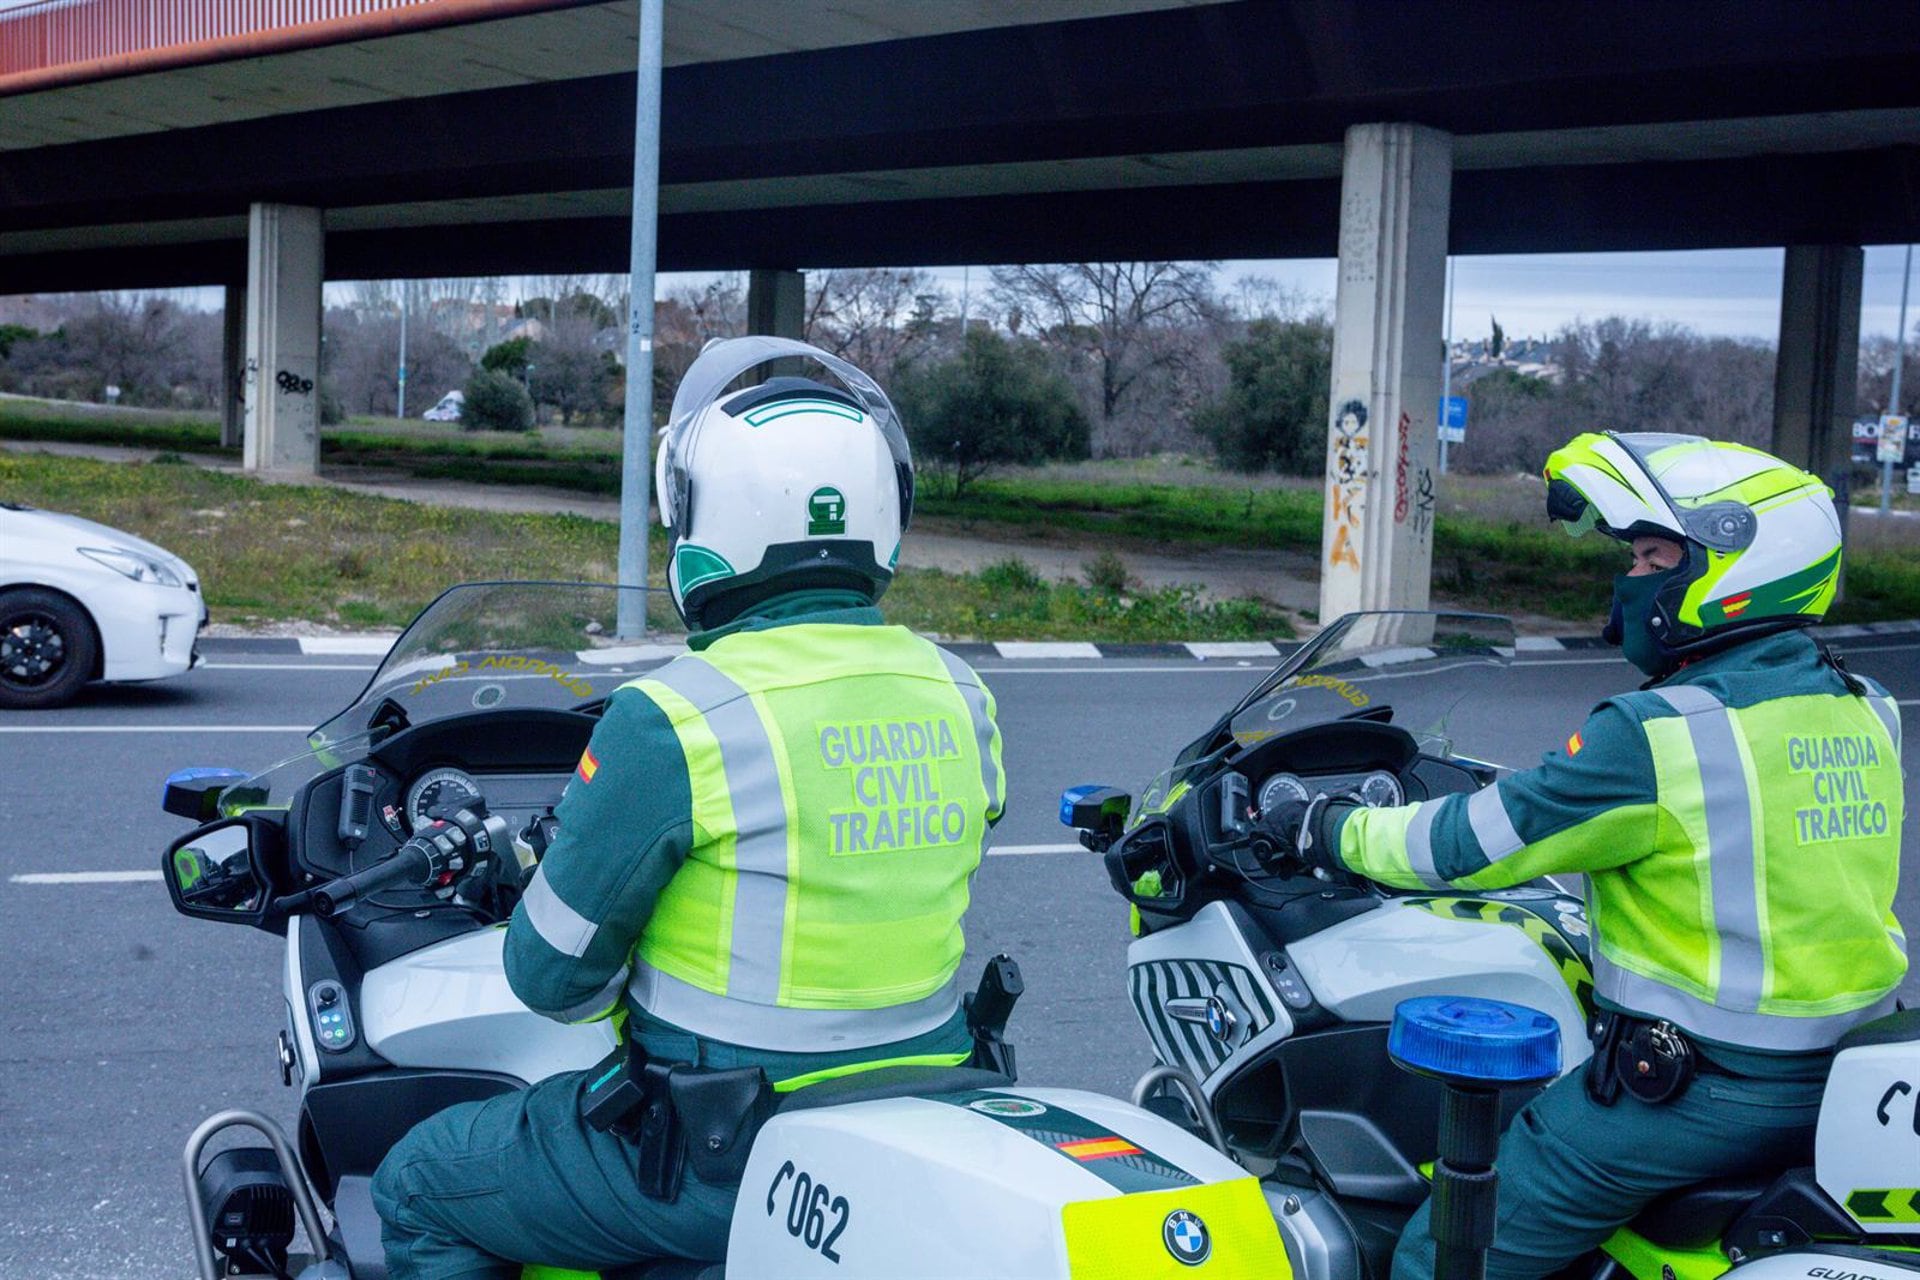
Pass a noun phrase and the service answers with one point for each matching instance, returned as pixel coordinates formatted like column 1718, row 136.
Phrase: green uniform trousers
column 482, row 1187
column 521, row 1176
column 1572, row 1171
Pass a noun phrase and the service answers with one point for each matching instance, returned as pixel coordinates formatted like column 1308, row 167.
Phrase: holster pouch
column 1654, row 1061
column 661, row 1142
column 1603, row 1086
column 719, row 1114
column 629, row 1096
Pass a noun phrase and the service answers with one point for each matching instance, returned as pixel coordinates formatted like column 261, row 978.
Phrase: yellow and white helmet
column 794, row 483
column 1761, row 536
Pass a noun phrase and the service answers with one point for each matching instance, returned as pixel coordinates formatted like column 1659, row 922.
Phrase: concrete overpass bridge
column 265, row 145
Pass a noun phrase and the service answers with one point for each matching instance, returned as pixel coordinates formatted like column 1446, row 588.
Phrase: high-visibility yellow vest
column 1758, row 919
column 843, row 779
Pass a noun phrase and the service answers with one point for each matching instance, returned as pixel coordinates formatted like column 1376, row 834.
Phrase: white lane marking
column 158, row 728
column 1232, row 649
column 1214, row 668
column 1046, row 649
column 288, row 666
column 85, row 877
column 342, row 646
column 132, row 877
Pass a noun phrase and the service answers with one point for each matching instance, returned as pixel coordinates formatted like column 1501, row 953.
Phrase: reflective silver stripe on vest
column 760, row 823
column 559, row 925
column 766, row 1026
column 1728, row 802
column 1889, row 713
column 976, row 699
column 1487, row 815
column 1420, row 845
column 600, row 1001
column 1777, row 1032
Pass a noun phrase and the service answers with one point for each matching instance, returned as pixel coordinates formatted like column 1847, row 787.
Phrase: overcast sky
column 1727, row 292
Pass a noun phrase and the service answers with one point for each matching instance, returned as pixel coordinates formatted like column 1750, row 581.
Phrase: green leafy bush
column 996, row 403
column 495, row 402
column 1274, row 412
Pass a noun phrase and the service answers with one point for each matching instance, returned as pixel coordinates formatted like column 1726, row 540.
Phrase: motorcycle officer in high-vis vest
column 1737, row 821
column 764, row 856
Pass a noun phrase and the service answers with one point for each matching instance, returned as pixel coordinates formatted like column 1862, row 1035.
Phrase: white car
column 448, row 410
column 80, row 602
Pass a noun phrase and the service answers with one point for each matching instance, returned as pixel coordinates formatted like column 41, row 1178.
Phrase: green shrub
column 1107, row 573
column 996, row 403
column 495, row 402
column 1013, row 576
column 1274, row 412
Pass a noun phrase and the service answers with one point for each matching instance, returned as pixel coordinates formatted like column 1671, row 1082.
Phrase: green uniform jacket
column 669, row 824
column 1739, row 828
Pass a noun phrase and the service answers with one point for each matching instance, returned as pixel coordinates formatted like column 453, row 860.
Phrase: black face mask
column 1630, row 623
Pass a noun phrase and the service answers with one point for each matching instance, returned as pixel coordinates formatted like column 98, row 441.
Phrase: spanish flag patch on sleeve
column 588, row 766
column 1573, row 745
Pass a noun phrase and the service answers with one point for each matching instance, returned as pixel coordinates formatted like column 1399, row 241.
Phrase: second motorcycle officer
column 1737, row 821
column 764, row 856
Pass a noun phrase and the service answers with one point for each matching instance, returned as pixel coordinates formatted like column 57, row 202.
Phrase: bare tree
column 878, row 318
column 1133, row 335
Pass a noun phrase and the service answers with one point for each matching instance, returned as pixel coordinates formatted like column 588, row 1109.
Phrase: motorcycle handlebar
column 410, row 862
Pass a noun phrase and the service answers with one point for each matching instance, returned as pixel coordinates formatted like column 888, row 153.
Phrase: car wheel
column 47, row 648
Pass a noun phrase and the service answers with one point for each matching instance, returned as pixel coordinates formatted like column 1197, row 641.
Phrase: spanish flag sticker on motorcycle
column 1574, row 744
column 1098, row 1148
column 588, row 765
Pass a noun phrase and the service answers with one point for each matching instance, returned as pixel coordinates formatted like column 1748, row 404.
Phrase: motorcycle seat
column 891, row 1082
column 1696, row 1216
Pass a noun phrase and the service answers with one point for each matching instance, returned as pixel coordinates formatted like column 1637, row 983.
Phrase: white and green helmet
column 790, row 484
column 1762, row 536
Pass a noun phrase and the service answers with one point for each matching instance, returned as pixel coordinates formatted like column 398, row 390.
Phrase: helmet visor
column 1597, row 481
column 714, row 371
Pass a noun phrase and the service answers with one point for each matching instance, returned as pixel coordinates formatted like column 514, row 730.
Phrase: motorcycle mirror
column 214, row 873
column 1095, row 807
column 195, row 793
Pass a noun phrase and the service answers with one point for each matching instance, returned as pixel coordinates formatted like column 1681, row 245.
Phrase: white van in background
column 448, row 410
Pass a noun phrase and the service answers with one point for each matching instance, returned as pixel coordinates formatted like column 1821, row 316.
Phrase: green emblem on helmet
column 826, row 513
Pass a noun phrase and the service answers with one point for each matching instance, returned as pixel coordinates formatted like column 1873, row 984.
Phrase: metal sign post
column 1888, row 454
column 636, row 463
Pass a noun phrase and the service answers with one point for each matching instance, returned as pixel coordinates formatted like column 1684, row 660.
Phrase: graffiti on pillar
column 1347, row 497
column 1402, row 491
column 293, row 384
column 1423, row 504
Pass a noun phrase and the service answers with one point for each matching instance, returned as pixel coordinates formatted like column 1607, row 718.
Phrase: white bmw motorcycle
column 391, row 852
column 1273, row 989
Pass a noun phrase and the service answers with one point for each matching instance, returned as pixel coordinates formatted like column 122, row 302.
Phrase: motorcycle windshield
column 482, row 646
column 1437, row 675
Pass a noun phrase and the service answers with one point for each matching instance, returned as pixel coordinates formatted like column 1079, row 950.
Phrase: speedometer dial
column 1280, row 788
column 1381, row 790
column 438, row 787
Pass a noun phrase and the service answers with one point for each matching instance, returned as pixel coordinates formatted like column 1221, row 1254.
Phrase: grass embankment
column 1490, row 547
column 269, row 552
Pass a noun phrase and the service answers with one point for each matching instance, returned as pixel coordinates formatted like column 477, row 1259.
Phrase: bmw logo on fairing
column 1220, row 1019
column 1186, row 1237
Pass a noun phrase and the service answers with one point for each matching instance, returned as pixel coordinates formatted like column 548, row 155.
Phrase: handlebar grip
column 409, row 862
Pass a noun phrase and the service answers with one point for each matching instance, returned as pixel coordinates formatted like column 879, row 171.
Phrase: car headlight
column 138, row 567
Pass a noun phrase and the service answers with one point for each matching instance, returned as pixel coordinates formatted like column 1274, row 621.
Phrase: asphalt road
column 123, row 1024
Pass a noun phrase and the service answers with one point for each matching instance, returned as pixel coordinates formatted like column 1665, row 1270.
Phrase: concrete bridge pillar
column 1816, row 374
column 285, row 265
column 1382, row 444
column 233, row 382
column 777, row 302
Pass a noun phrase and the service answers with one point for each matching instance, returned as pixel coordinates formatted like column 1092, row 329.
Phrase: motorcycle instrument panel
column 1377, row 789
